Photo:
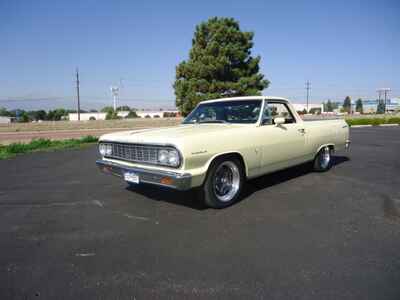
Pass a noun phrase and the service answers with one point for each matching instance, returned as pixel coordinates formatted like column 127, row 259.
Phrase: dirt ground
column 24, row 132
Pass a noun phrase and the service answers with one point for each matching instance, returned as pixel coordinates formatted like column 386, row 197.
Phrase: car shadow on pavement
column 184, row 198
column 190, row 199
column 281, row 176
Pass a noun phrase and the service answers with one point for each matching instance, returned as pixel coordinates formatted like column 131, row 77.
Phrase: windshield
column 237, row 111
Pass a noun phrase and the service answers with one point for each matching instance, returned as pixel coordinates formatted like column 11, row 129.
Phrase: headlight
column 163, row 156
column 105, row 149
column 173, row 158
column 108, row 149
column 169, row 157
column 102, row 149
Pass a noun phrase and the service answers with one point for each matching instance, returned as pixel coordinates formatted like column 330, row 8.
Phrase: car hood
column 167, row 135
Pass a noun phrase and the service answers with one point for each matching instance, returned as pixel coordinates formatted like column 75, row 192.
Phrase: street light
column 115, row 91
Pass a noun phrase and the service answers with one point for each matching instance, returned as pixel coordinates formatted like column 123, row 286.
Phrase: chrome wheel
column 226, row 181
column 325, row 157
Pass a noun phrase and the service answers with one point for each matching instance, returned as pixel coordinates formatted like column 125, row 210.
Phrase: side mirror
column 279, row 121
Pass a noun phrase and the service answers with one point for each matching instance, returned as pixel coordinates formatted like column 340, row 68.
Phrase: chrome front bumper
column 168, row 179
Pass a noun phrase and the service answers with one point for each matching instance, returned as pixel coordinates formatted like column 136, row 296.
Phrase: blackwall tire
column 224, row 183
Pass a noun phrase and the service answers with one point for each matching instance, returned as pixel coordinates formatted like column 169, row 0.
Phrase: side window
column 207, row 114
column 274, row 110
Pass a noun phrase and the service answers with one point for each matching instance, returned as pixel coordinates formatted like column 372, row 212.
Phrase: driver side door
column 283, row 145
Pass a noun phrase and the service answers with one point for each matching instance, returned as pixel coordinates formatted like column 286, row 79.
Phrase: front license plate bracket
column 131, row 177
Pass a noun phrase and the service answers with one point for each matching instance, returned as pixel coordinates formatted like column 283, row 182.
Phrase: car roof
column 246, row 98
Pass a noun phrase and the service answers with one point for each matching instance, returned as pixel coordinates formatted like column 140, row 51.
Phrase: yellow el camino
column 221, row 144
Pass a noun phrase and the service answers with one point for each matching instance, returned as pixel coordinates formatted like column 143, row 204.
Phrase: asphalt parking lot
column 69, row 232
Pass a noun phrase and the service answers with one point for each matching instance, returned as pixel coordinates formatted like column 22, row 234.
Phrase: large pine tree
column 219, row 65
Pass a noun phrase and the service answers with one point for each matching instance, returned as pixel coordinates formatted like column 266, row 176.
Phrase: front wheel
column 323, row 160
column 224, row 183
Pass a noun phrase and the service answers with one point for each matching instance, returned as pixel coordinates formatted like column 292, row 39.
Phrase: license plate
column 131, row 177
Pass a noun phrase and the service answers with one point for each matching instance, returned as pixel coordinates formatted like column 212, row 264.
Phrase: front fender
column 199, row 174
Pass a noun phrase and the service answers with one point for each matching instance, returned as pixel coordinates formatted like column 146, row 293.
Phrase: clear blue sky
column 342, row 47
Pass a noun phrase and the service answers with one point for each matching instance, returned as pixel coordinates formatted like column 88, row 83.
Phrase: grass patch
column 43, row 145
column 373, row 121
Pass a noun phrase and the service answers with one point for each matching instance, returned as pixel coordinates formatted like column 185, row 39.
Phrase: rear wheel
column 224, row 183
column 323, row 160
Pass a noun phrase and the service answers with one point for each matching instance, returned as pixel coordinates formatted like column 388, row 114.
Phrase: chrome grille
column 135, row 152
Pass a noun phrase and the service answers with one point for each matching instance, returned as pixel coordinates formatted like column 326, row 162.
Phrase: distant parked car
column 220, row 145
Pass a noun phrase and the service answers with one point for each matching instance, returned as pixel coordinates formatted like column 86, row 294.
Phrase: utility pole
column 385, row 92
column 77, row 94
column 308, row 88
column 386, row 98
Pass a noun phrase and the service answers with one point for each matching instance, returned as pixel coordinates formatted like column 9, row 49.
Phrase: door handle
column 302, row 130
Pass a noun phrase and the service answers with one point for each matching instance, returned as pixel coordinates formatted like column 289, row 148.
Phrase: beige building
column 122, row 114
column 5, row 120
column 87, row 116
column 150, row 114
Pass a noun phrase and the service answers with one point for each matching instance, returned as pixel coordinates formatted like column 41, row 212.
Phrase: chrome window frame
column 285, row 103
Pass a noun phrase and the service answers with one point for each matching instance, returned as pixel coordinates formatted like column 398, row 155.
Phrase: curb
column 384, row 125
column 360, row 126
column 389, row 125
